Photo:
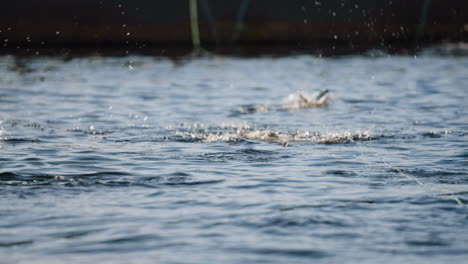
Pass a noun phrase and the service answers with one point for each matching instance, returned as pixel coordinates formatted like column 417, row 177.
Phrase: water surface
column 145, row 159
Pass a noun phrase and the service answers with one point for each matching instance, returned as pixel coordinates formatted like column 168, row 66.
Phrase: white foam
column 233, row 133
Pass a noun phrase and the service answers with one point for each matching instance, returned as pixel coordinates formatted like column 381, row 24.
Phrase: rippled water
column 149, row 160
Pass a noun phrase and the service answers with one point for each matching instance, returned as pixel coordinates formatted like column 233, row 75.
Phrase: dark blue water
column 149, row 160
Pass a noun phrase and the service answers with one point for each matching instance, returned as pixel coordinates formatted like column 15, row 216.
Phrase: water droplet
column 91, row 127
column 145, row 118
column 128, row 33
column 305, row 21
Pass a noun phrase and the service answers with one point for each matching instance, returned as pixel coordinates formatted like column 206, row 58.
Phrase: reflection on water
column 234, row 160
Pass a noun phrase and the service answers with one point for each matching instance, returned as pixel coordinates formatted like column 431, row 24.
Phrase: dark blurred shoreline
column 235, row 27
column 183, row 52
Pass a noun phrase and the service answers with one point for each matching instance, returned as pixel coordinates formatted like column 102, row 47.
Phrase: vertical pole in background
column 240, row 20
column 207, row 11
column 194, row 25
column 422, row 19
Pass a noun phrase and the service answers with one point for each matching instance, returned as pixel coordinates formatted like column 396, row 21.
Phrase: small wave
column 441, row 176
column 16, row 243
column 191, row 183
column 175, row 179
column 286, row 220
column 130, row 239
column 12, row 178
column 12, row 140
column 295, row 252
column 75, row 234
column 427, row 243
column 245, row 155
column 340, row 173
column 435, row 134
column 7, row 178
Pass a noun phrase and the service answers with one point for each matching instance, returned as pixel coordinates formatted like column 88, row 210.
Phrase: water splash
column 233, row 133
column 304, row 100
column 292, row 102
